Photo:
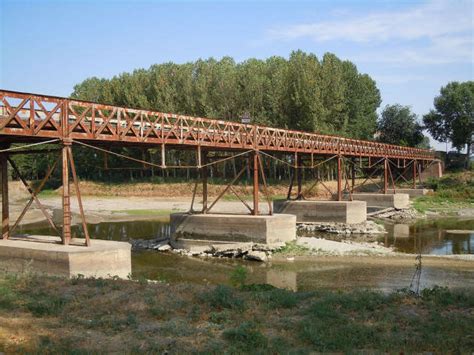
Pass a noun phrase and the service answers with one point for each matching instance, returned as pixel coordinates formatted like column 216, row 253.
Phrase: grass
column 249, row 197
column 145, row 212
column 451, row 192
column 95, row 315
column 292, row 249
column 48, row 193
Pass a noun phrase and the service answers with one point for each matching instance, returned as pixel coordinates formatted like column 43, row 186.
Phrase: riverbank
column 126, row 316
column 453, row 195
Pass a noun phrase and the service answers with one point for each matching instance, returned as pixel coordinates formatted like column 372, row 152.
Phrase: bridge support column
column 415, row 168
column 299, row 176
column 204, row 175
column 385, row 175
column 66, row 233
column 255, row 183
column 339, row 178
column 4, row 188
column 353, row 173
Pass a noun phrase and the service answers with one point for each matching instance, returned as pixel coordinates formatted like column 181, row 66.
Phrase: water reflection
column 432, row 236
column 300, row 275
column 119, row 231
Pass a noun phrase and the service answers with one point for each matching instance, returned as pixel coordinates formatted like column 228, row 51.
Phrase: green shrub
column 238, row 276
column 278, row 298
column 46, row 305
column 222, row 297
column 443, row 296
column 219, row 317
column 246, row 338
column 258, row 287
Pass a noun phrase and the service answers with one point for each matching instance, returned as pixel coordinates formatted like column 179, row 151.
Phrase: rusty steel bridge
column 34, row 120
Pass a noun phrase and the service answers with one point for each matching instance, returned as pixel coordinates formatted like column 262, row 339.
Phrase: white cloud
column 443, row 50
column 394, row 79
column 429, row 33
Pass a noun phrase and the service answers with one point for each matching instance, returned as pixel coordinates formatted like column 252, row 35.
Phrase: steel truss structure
column 38, row 119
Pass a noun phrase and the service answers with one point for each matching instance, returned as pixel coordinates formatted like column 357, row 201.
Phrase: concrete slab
column 323, row 211
column 202, row 229
column 411, row 192
column 399, row 201
column 44, row 255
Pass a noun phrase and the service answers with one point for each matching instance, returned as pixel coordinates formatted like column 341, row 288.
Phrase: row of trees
column 302, row 92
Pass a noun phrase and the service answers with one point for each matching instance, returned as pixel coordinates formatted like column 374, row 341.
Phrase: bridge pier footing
column 412, row 192
column 206, row 229
column 44, row 255
column 323, row 211
column 397, row 200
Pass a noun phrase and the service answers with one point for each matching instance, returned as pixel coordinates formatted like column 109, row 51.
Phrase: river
column 442, row 236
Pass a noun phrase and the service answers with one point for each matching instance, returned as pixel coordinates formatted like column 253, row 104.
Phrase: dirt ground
column 142, row 200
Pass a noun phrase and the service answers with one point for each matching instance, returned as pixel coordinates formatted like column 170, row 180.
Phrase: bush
column 46, row 305
column 246, row 338
column 238, row 277
column 279, row 298
column 222, row 297
column 443, row 296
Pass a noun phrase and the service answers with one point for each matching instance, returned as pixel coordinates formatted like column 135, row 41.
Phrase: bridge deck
column 29, row 117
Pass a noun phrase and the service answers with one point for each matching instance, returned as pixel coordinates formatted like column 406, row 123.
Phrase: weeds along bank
column 451, row 193
column 97, row 315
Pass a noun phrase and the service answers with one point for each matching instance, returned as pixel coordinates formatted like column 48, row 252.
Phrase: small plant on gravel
column 291, row 248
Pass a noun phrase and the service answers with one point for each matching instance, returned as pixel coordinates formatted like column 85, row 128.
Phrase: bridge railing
column 31, row 115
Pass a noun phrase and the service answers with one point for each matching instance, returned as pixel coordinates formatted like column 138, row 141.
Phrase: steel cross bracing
column 31, row 117
column 41, row 120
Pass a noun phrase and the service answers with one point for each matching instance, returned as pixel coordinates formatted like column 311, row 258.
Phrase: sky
column 410, row 48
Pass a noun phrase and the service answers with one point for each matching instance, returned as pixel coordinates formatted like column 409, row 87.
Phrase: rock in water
column 164, row 247
column 256, row 255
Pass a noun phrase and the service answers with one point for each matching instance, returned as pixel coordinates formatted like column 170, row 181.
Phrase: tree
column 302, row 102
column 453, row 117
column 332, row 87
column 362, row 100
column 398, row 125
column 301, row 92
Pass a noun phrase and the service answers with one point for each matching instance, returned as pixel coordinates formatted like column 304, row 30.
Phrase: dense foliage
column 398, row 125
column 302, row 92
column 453, row 117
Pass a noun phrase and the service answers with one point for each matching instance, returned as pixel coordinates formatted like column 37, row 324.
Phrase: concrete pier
column 323, row 211
column 411, row 192
column 44, row 255
column 205, row 229
column 398, row 201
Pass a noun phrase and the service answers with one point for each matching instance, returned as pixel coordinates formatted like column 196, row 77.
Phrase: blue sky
column 411, row 48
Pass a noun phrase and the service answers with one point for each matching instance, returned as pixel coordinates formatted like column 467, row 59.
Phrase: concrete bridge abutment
column 45, row 255
column 412, row 192
column 349, row 212
column 207, row 229
column 397, row 200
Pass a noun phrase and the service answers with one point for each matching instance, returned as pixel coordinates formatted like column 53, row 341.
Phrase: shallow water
column 432, row 236
column 339, row 273
column 302, row 275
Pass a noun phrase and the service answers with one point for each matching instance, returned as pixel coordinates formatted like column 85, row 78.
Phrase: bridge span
column 34, row 119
